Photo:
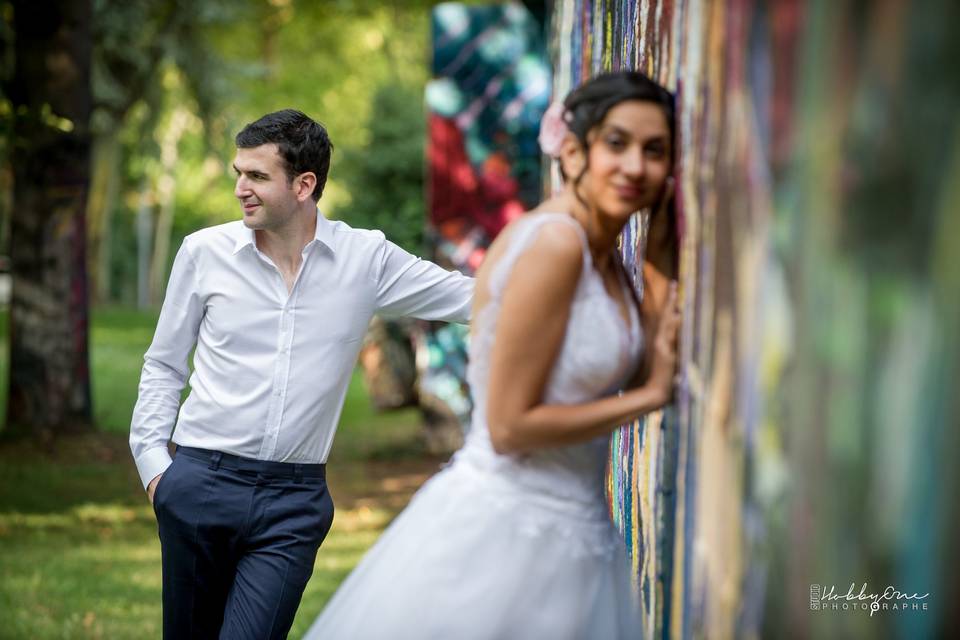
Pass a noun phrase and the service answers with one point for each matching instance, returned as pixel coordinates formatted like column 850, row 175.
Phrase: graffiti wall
column 805, row 465
column 490, row 86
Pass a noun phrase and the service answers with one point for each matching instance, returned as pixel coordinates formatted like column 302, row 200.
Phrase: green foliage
column 135, row 39
column 385, row 176
column 357, row 66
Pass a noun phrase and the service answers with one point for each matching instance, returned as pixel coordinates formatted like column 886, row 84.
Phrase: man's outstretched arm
column 165, row 370
column 410, row 286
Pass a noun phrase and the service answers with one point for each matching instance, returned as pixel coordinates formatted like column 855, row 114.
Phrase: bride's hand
column 664, row 364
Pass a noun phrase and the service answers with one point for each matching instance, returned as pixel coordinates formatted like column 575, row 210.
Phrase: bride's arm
column 530, row 330
column 659, row 270
column 656, row 289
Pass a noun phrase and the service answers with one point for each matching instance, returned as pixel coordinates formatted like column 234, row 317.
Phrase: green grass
column 79, row 555
column 118, row 339
column 78, row 550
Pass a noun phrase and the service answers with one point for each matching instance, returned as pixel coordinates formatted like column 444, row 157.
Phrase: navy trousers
column 239, row 538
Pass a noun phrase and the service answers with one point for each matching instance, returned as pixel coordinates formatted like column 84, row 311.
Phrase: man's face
column 267, row 197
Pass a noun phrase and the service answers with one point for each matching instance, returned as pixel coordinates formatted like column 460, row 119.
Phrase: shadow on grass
column 68, row 472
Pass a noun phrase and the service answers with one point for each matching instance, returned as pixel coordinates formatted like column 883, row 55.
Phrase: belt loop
column 298, row 473
column 215, row 460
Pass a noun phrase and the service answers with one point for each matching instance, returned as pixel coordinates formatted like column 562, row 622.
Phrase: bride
column 512, row 539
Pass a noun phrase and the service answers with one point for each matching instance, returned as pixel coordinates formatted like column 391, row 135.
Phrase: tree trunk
column 144, row 243
column 166, row 192
column 104, row 187
column 51, row 98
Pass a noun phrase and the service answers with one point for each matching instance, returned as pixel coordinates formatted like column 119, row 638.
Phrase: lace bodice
column 598, row 355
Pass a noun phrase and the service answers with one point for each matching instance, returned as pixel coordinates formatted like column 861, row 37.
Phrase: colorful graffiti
column 490, row 86
column 819, row 158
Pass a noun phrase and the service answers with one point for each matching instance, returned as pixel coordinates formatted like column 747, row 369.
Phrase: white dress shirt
column 271, row 368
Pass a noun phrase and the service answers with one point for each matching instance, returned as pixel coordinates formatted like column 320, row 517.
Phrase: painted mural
column 807, row 455
column 490, row 86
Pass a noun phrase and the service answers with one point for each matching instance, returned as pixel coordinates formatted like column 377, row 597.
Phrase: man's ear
column 572, row 156
column 305, row 183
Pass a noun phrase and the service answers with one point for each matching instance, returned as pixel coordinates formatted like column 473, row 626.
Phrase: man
column 277, row 305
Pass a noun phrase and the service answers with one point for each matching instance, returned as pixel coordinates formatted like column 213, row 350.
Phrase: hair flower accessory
column 553, row 128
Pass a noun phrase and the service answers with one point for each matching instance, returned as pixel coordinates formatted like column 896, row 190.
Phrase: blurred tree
column 134, row 42
column 128, row 49
column 6, row 124
column 50, row 100
column 226, row 63
column 385, row 176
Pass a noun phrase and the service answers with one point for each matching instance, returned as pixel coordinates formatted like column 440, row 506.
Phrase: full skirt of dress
column 479, row 556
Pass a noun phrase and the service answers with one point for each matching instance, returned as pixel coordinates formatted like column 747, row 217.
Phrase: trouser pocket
column 166, row 478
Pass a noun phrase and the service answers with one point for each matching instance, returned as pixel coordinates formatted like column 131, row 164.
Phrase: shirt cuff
column 152, row 463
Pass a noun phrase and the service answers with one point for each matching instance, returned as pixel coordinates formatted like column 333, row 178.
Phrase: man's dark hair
column 304, row 144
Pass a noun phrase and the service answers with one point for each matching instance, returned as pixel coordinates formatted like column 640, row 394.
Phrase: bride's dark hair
column 588, row 105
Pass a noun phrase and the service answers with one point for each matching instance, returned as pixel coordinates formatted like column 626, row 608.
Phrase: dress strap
column 522, row 237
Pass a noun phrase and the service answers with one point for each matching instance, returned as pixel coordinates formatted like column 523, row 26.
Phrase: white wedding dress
column 508, row 546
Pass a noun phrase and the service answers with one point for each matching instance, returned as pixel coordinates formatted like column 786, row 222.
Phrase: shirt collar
column 324, row 234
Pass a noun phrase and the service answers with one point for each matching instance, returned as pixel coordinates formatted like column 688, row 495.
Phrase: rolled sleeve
column 165, row 369
column 410, row 286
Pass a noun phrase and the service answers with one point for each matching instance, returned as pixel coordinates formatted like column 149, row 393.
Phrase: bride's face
column 628, row 160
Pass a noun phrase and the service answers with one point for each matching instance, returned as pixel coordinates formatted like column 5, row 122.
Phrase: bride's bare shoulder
column 555, row 241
